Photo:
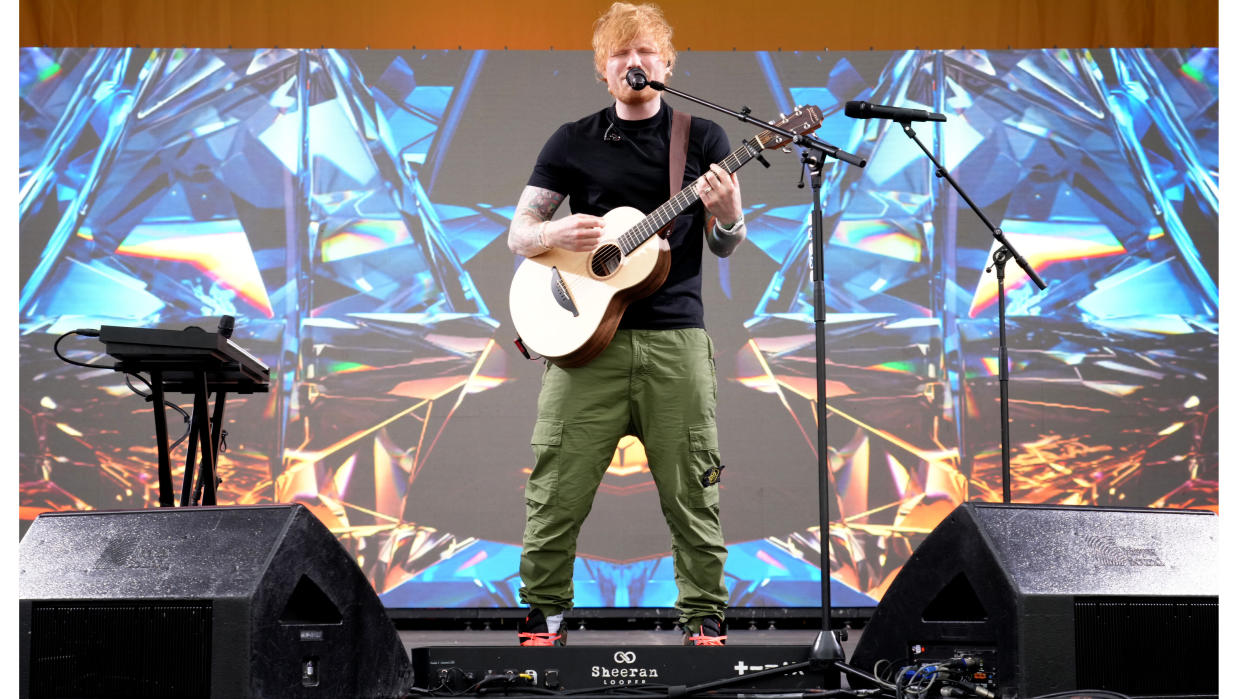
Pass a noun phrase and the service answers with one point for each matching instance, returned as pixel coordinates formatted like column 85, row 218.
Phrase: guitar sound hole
column 606, row 260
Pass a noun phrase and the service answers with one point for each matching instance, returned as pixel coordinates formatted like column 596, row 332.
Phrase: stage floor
column 666, row 637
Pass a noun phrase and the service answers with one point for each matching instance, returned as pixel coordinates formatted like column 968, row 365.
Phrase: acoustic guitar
column 566, row 305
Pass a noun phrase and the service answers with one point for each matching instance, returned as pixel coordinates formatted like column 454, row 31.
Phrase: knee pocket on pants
column 548, row 432
column 704, row 455
column 546, row 443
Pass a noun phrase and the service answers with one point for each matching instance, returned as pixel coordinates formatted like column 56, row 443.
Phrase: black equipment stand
column 999, row 258
column 815, row 166
column 196, row 362
column 805, row 141
column 826, row 650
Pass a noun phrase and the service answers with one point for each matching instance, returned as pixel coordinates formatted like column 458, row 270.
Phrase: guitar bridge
column 560, row 292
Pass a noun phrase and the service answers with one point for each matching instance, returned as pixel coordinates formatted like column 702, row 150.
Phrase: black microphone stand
column 827, row 647
column 805, row 141
column 999, row 258
column 826, row 652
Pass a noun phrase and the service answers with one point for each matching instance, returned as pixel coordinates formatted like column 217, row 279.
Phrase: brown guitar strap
column 678, row 146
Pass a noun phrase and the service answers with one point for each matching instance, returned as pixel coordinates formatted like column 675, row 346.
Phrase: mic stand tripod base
column 825, row 653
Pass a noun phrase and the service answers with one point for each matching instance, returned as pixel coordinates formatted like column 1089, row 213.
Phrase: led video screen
column 350, row 209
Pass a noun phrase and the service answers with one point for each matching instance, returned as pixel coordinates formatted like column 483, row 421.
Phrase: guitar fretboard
column 684, row 199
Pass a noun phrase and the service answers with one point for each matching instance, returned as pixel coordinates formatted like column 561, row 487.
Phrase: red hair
column 622, row 24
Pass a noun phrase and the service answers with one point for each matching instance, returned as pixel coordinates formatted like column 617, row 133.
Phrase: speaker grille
column 139, row 649
column 1146, row 646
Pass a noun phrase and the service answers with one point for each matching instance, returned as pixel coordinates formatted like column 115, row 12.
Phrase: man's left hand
column 721, row 195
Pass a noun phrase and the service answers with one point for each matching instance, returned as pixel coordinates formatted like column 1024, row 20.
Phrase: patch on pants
column 711, row 476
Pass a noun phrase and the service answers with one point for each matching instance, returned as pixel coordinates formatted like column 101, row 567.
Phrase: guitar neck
column 684, row 199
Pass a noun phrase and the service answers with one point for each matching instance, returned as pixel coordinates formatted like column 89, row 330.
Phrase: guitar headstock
column 801, row 121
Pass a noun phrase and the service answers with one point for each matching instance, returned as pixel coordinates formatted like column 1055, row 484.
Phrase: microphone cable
column 148, row 397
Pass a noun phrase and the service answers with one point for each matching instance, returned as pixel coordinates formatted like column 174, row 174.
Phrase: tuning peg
column 786, row 149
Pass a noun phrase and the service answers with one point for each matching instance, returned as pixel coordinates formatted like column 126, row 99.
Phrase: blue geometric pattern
column 297, row 190
column 484, row 574
column 1101, row 168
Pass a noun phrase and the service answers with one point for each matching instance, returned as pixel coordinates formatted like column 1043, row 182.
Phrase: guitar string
column 641, row 232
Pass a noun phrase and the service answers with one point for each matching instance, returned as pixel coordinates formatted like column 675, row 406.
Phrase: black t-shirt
column 585, row 161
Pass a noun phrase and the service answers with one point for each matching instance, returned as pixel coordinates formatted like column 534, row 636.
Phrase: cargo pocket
column 711, row 363
column 546, row 443
column 704, row 456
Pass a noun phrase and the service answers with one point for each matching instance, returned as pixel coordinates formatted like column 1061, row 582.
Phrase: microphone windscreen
column 636, row 78
column 856, row 109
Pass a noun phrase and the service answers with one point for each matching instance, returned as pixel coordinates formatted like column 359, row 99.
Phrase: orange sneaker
column 533, row 630
column 710, row 633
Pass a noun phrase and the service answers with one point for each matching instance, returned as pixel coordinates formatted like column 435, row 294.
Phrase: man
column 656, row 379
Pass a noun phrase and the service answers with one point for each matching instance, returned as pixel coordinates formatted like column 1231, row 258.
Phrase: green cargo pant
column 659, row 385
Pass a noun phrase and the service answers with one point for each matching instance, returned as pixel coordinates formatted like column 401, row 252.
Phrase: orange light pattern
column 878, row 237
column 1043, row 244
column 356, row 473
column 630, row 459
column 365, row 236
column 218, row 249
column 896, row 469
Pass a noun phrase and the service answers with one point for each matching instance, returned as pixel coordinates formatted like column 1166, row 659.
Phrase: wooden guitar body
column 571, row 325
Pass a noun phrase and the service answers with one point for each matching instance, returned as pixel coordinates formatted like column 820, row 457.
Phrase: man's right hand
column 577, row 232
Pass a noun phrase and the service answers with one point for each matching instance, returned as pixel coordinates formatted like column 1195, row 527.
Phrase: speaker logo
column 624, row 671
column 1107, row 551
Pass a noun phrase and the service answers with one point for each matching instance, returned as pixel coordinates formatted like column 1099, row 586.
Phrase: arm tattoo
column 535, row 206
column 541, row 203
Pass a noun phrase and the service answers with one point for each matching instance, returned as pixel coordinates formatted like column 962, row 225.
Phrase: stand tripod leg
column 217, row 425
column 161, row 439
column 191, row 457
column 207, row 477
column 187, row 481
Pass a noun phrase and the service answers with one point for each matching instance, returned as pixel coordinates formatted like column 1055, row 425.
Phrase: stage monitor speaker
column 1058, row 598
column 257, row 601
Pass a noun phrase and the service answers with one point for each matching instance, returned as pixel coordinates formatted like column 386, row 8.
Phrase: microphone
column 226, row 327
column 864, row 110
column 636, row 78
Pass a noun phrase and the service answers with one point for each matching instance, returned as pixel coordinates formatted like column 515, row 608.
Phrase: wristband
column 539, row 236
column 741, row 221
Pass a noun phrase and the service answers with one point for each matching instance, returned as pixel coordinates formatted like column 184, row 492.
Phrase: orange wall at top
column 566, row 24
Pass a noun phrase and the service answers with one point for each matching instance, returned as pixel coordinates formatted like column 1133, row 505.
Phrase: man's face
column 644, row 53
